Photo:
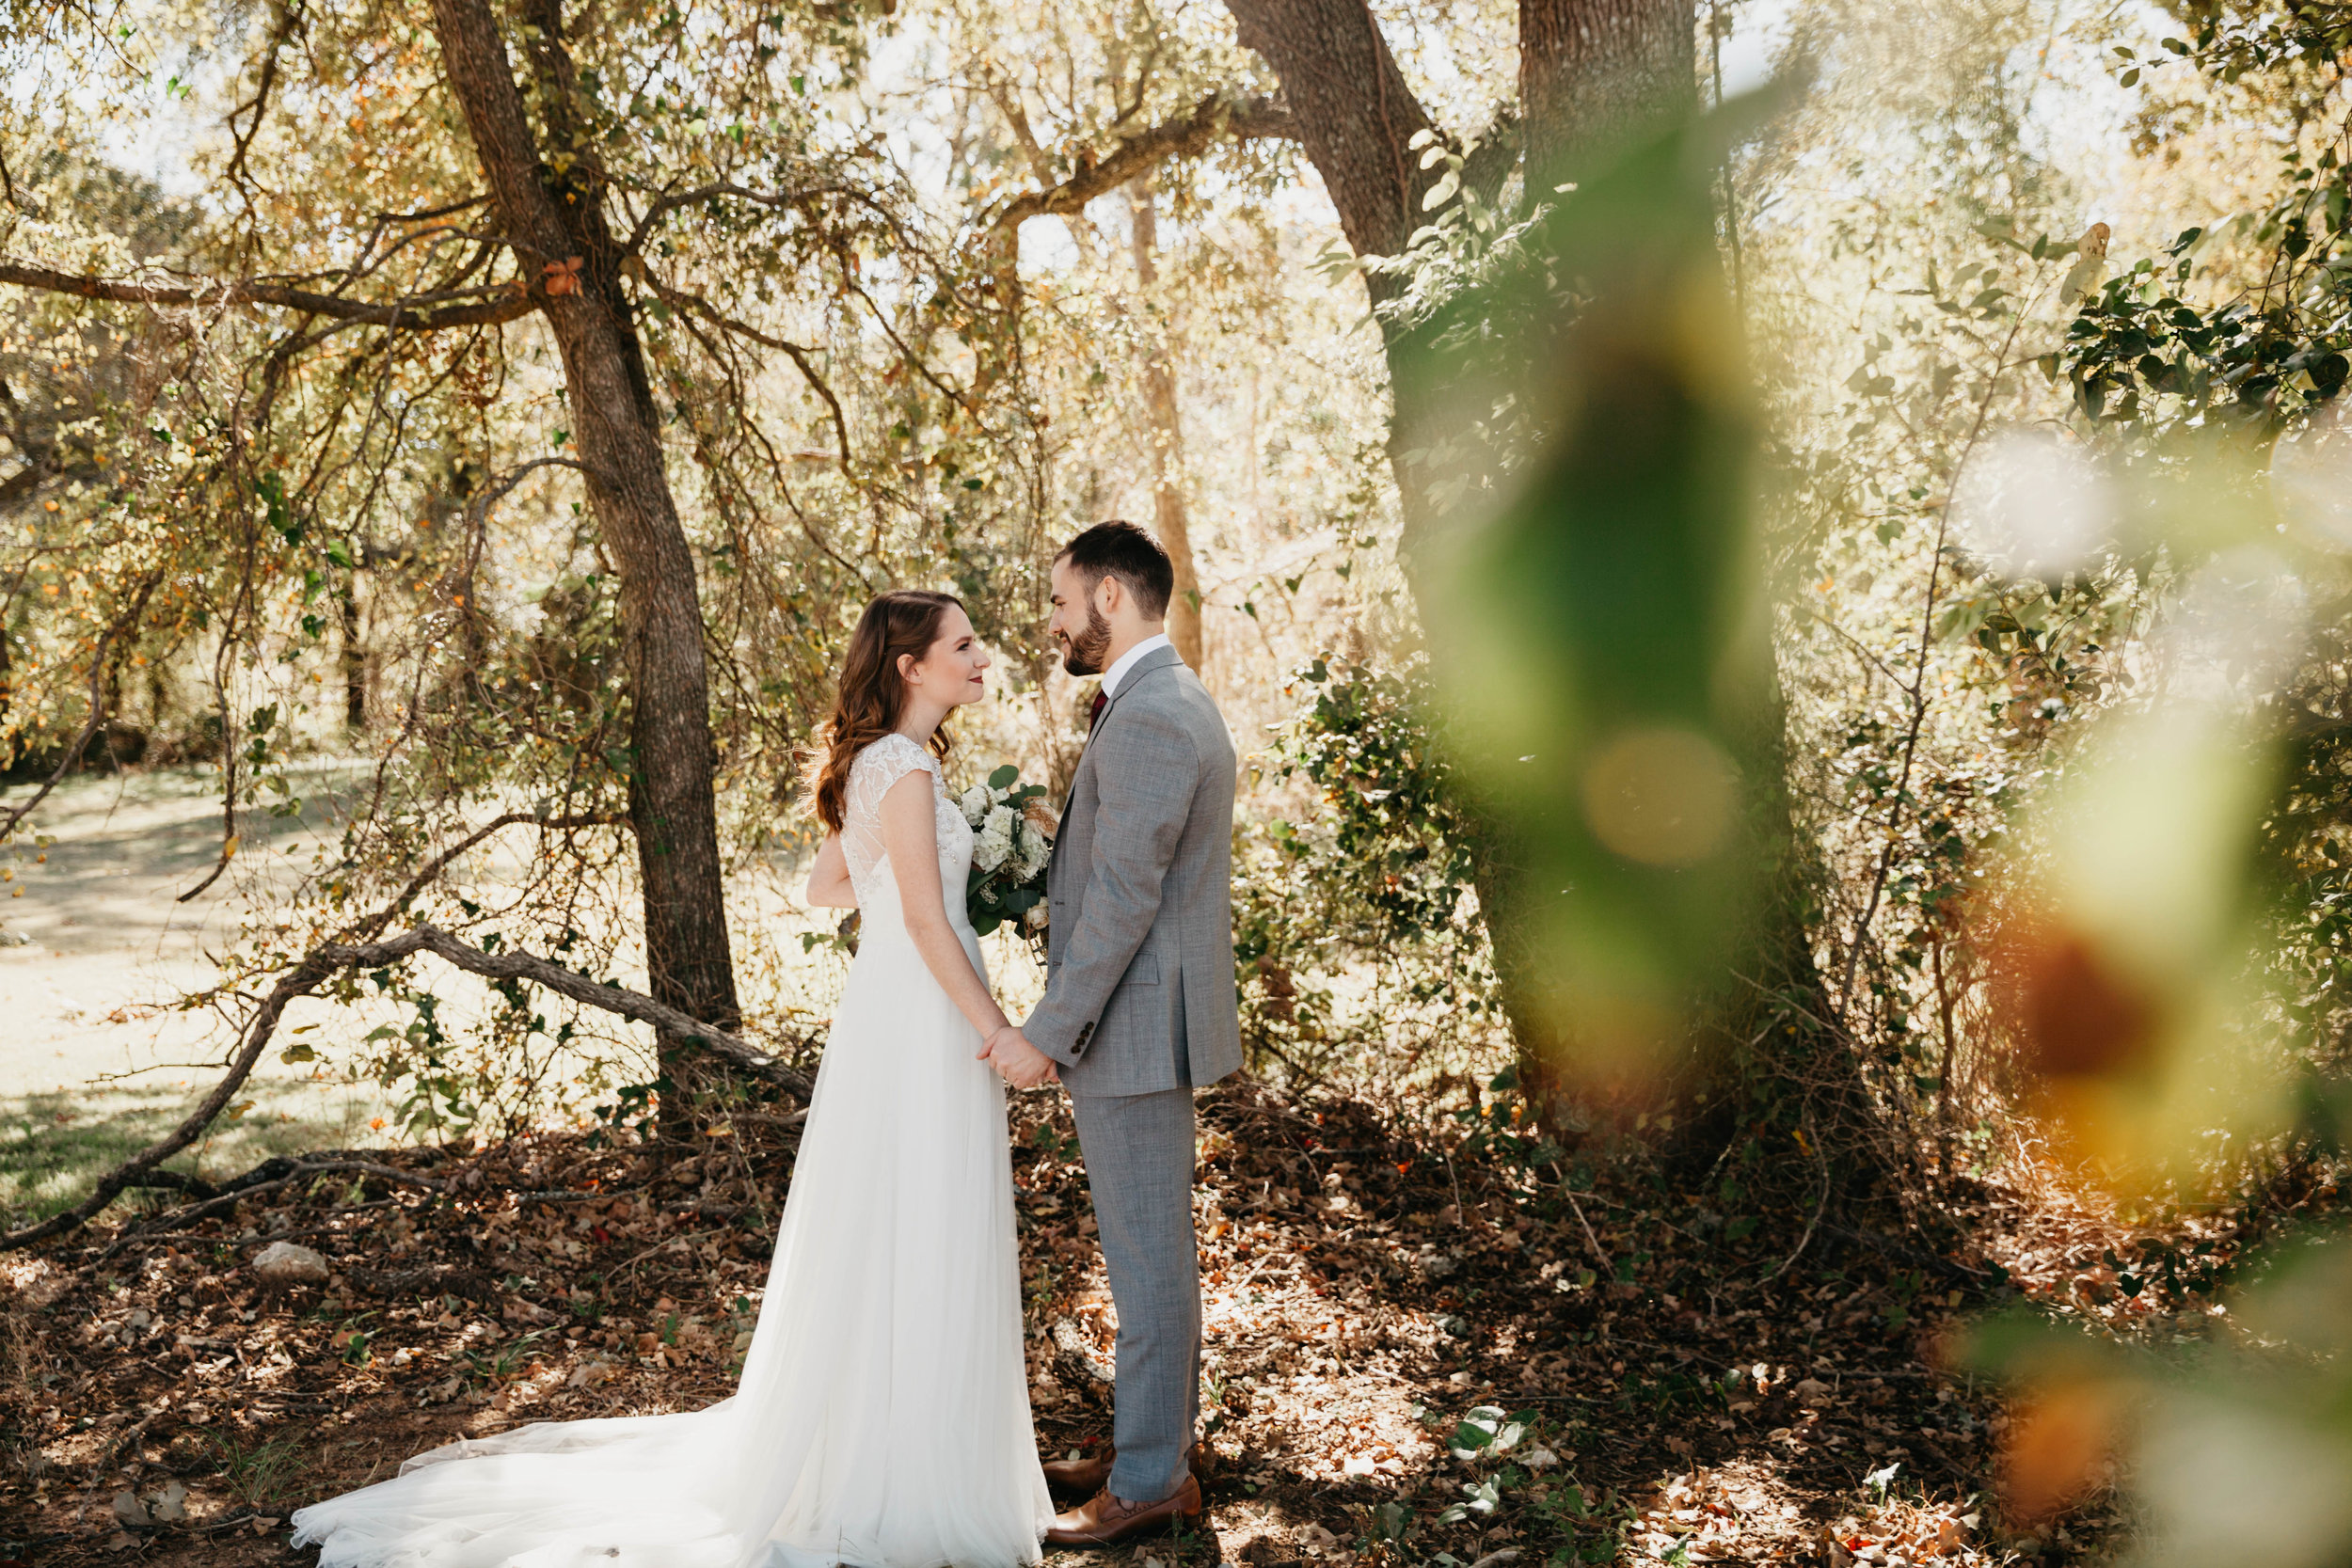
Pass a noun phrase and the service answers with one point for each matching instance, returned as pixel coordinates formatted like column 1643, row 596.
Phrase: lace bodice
column 881, row 765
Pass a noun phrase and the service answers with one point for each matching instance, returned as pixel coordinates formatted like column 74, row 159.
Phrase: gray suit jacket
column 1139, row 954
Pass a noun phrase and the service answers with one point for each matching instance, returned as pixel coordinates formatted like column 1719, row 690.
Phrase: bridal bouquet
column 1013, row 829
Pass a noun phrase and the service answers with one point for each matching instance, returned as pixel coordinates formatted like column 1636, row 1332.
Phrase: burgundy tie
column 1094, row 713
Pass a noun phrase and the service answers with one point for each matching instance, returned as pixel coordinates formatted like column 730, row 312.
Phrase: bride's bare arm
column 829, row 880
column 910, row 832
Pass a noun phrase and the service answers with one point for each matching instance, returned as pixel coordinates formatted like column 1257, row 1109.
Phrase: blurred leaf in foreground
column 1599, row 636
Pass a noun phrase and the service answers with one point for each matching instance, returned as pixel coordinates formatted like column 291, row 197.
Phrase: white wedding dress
column 882, row 1418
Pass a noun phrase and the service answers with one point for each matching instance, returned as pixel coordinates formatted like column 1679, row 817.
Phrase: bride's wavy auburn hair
column 871, row 694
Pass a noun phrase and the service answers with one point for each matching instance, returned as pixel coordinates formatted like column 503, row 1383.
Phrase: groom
column 1138, row 1009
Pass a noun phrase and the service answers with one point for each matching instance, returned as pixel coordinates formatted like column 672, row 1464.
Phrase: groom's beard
column 1082, row 655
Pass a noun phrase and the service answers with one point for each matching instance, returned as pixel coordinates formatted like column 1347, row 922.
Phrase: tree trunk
column 1356, row 117
column 552, row 219
column 1356, row 114
column 354, row 659
column 1596, row 74
column 1169, row 521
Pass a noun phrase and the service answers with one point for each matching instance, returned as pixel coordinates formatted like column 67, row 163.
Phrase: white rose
column 973, row 803
column 992, row 845
column 1035, row 851
column 1036, row 918
column 999, row 821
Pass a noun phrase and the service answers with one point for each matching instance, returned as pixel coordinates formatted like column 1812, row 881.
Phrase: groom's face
column 1076, row 624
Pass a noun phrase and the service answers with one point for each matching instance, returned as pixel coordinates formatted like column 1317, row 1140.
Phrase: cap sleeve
column 881, row 766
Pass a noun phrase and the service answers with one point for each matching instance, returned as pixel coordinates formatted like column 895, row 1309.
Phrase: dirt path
column 92, row 936
column 92, row 939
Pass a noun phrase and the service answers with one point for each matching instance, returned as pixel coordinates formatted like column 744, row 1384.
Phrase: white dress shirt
column 1118, row 672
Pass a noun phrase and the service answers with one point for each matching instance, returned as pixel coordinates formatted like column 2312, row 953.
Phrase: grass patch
column 260, row 1470
column 55, row 1144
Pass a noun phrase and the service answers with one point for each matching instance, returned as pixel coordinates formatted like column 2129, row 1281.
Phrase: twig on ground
column 679, row 1240
column 1819, row 1209
column 1600, row 1255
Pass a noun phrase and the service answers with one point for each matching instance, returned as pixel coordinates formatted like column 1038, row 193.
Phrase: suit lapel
column 1157, row 658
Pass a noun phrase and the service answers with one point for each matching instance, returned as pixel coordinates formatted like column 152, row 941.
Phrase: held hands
column 1023, row 1065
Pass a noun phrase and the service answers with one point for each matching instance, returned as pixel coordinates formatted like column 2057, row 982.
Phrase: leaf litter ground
column 1415, row 1352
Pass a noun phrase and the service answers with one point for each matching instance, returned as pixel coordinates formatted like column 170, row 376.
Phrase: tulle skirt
column 882, row 1418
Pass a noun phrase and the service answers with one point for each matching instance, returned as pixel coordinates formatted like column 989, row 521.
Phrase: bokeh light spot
column 2033, row 505
column 1664, row 797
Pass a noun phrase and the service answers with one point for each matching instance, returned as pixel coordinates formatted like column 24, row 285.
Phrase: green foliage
column 1372, row 873
column 2138, row 355
column 260, row 1471
column 1392, row 808
column 2202, row 389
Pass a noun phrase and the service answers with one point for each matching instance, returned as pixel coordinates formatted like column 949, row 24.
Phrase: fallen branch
column 1600, row 1254
column 267, row 1177
column 176, row 1181
column 322, row 964
column 306, row 977
column 580, row 988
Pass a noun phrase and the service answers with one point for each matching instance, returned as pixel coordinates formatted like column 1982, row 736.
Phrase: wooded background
column 1799, row 616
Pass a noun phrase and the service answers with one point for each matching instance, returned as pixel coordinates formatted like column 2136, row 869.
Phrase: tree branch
column 1213, row 117
column 505, row 303
column 663, row 206
column 564, row 982
column 373, row 925
column 124, row 625
column 798, row 354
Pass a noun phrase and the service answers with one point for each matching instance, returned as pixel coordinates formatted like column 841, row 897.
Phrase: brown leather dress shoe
column 1104, row 1520
column 1085, row 1476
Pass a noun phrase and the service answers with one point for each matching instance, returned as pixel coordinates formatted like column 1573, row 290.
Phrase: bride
column 882, row 1420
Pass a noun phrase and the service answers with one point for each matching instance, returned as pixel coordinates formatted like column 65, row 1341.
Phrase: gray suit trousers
column 1140, row 1160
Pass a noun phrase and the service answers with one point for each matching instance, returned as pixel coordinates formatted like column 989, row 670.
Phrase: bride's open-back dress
column 882, row 1420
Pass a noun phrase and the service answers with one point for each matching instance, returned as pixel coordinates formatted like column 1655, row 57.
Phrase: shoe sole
column 1155, row 1528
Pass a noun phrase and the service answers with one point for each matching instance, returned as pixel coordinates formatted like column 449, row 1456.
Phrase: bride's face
column 950, row 672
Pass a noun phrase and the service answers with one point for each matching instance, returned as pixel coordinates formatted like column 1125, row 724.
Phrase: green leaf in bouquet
column 1021, row 901
column 1004, row 778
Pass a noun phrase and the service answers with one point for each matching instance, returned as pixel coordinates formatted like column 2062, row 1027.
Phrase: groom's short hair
column 1127, row 552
